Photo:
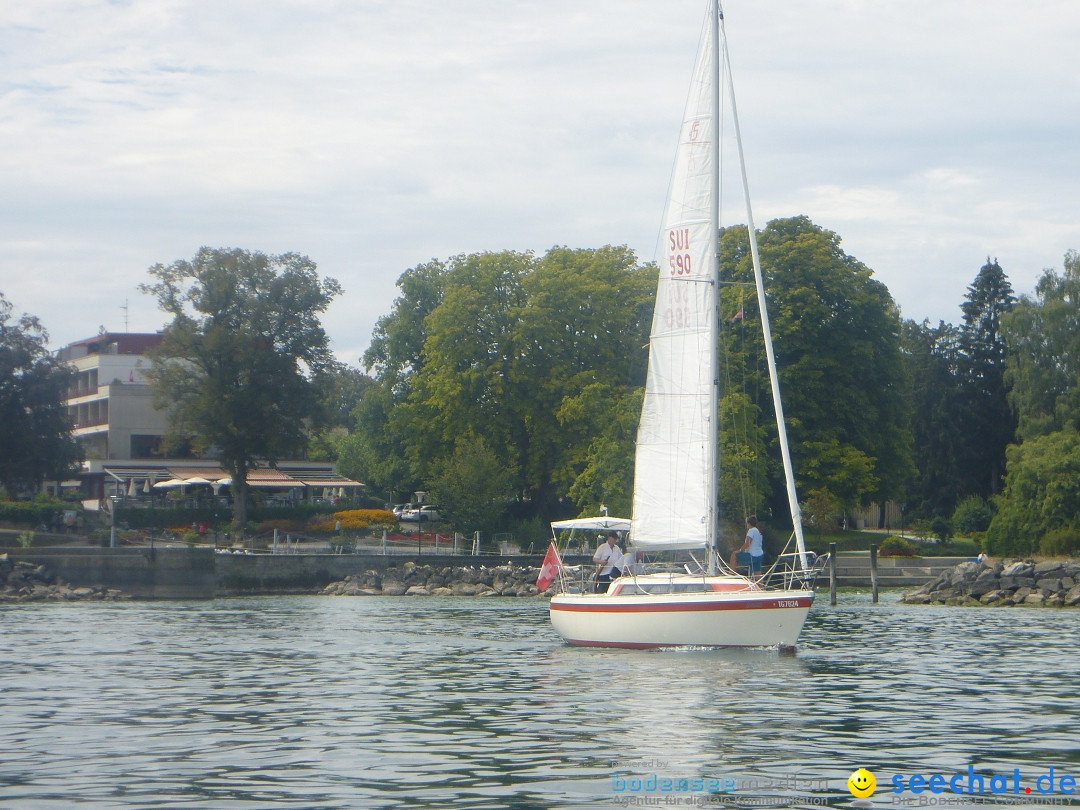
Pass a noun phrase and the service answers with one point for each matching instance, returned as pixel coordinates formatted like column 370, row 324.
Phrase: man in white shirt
column 752, row 553
column 609, row 557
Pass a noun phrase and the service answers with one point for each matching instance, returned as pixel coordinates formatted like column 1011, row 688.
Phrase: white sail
column 674, row 478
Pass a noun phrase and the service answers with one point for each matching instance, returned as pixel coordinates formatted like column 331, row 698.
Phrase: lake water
column 315, row 702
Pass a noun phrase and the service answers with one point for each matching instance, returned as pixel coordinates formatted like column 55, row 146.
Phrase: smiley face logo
column 862, row 784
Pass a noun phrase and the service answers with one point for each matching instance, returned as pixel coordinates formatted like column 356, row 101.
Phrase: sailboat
column 675, row 505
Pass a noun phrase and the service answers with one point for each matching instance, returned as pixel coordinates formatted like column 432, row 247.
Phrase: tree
column 836, row 333
column 1041, row 493
column 492, row 345
column 1042, row 335
column 933, row 359
column 987, row 418
column 602, row 421
column 237, row 362
column 35, row 430
column 337, row 394
column 376, row 450
column 471, row 487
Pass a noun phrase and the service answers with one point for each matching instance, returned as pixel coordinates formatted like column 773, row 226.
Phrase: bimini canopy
column 592, row 524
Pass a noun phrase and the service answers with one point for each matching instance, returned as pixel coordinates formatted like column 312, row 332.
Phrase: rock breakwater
column 1051, row 583
column 411, row 579
column 22, row 581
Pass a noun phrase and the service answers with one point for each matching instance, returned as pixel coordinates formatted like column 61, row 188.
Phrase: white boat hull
column 737, row 616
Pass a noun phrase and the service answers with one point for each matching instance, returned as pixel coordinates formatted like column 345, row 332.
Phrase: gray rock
column 1049, row 584
column 917, row 598
column 1020, row 595
column 1018, row 569
column 1047, row 567
column 987, row 581
column 964, row 572
column 418, row 590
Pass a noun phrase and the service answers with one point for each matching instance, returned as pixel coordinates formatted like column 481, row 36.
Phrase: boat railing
column 788, row 572
column 582, row 578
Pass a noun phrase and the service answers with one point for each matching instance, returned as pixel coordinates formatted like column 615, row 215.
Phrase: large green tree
column 338, row 392
column 1043, row 365
column 471, row 486
column 600, row 426
column 36, row 442
column 933, row 359
column 237, row 365
column 836, row 332
column 491, row 345
column 986, row 413
column 1039, row 507
column 1041, row 496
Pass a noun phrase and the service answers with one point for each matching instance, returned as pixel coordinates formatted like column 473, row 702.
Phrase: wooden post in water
column 873, row 572
column 832, row 573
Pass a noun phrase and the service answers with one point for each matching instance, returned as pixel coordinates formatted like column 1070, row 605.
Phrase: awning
column 593, row 524
column 170, row 474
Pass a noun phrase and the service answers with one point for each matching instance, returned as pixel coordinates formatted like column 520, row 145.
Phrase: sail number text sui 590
column 679, row 262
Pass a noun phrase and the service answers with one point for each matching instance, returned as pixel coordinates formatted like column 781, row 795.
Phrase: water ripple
column 410, row 702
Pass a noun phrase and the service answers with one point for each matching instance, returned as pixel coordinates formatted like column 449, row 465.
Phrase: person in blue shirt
column 752, row 553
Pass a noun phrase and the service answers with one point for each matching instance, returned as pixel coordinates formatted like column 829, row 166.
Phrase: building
column 111, row 405
column 112, row 410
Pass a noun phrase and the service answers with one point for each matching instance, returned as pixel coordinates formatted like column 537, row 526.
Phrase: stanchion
column 832, row 573
column 873, row 572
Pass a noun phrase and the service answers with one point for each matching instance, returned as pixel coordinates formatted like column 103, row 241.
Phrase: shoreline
column 1048, row 583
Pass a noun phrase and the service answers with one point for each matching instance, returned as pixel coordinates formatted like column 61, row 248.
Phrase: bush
column 172, row 516
column 972, row 515
column 356, row 520
column 893, row 546
column 33, row 513
column 941, row 528
column 1060, row 542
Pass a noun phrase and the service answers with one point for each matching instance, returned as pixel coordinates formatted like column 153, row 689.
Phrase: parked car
column 401, row 509
column 429, row 513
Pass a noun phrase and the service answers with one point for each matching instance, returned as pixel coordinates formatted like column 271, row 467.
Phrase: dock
column 853, row 570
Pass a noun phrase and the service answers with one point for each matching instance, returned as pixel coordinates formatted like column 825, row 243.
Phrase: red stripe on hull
column 673, row 607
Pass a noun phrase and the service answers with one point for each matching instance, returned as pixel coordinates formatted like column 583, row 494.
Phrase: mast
column 781, row 427
column 713, row 455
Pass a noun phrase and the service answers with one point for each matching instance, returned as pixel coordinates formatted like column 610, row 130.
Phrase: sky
column 376, row 135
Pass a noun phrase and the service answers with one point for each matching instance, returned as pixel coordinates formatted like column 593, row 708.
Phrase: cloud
column 374, row 136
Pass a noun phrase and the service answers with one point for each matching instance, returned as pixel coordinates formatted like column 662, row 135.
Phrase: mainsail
column 675, row 461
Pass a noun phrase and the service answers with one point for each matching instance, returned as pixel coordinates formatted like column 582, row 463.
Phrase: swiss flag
column 550, row 569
